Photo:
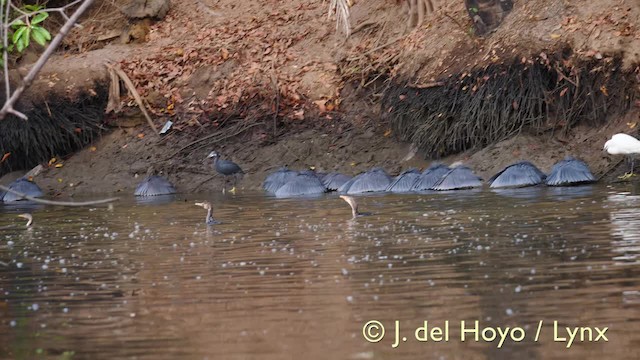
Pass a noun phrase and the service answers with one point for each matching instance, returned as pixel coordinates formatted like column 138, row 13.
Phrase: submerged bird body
column 405, row 181
column 154, row 185
column 305, row 183
column 570, row 171
column 374, row 180
column 209, row 220
column 27, row 216
column 277, row 179
column 430, row 177
column 520, row 174
column 354, row 206
column 458, row 178
column 21, row 185
column 333, row 181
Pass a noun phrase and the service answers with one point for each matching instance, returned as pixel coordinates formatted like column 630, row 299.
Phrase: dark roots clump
column 475, row 109
column 56, row 127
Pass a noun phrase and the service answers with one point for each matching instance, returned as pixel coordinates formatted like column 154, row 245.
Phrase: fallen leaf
column 52, row 161
column 92, row 149
column 632, row 125
column 321, row 106
column 299, row 114
column 604, row 90
column 555, row 36
column 59, row 165
column 5, row 156
column 564, row 91
column 141, row 136
column 59, row 180
column 387, row 133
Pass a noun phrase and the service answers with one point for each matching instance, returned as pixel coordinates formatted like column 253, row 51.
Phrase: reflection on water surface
column 284, row 277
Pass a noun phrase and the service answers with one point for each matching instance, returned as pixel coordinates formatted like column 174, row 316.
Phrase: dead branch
column 60, row 203
column 233, row 132
column 7, row 108
column 132, row 90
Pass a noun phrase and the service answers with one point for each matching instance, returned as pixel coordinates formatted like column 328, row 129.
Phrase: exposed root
column 57, row 127
column 487, row 105
column 115, row 70
column 341, row 9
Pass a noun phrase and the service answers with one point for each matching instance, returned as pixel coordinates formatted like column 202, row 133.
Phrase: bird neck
column 209, row 219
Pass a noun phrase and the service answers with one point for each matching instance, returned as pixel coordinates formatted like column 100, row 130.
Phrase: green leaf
column 17, row 24
column 38, row 35
column 23, row 41
column 33, row 8
column 39, row 18
column 17, row 35
column 45, row 32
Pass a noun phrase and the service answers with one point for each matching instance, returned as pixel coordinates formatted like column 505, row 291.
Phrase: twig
column 378, row 48
column 427, row 85
column 362, row 26
column 5, row 54
column 610, row 168
column 203, row 182
column 26, row 82
column 209, row 137
column 60, row 203
column 132, row 89
column 274, row 79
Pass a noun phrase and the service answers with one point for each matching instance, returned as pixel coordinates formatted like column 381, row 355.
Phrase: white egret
column 623, row 144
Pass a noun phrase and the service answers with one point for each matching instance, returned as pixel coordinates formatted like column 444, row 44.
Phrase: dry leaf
column 299, row 114
column 555, row 36
column 321, row 105
column 141, row 136
column 387, row 133
column 632, row 125
column 52, row 161
column 5, row 156
column 59, row 165
column 604, row 90
column 92, row 149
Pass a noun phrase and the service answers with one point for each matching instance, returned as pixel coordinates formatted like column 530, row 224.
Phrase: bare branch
column 5, row 53
column 60, row 203
column 26, row 82
column 132, row 89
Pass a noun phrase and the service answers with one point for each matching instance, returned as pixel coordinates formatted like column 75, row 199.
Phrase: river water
column 294, row 278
